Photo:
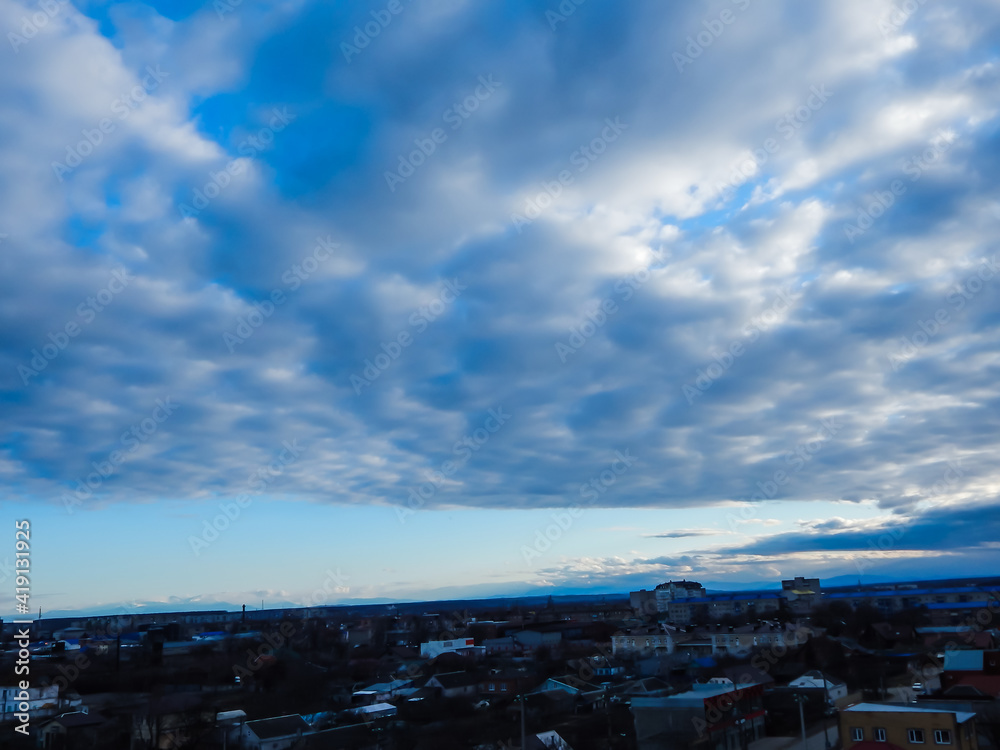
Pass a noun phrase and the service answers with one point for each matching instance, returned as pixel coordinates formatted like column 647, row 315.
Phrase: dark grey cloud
column 689, row 276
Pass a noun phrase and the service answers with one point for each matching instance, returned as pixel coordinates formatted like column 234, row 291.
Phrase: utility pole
column 523, row 735
column 800, row 699
column 826, row 719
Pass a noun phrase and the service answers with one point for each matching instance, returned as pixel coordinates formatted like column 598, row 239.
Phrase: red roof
column 988, row 683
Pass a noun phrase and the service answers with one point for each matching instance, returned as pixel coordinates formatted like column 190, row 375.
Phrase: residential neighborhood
column 912, row 664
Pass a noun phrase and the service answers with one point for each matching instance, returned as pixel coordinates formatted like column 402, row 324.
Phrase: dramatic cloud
column 471, row 257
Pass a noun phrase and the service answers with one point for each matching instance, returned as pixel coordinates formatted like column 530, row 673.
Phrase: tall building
column 673, row 591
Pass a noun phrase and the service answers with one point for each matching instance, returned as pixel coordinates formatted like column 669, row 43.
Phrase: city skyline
column 431, row 299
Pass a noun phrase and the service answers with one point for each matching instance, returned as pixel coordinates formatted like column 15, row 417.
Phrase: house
column 380, row 692
column 505, row 645
column 374, row 711
column 867, row 726
column 647, row 686
column 455, row 684
column 642, row 641
column 501, row 682
column 710, row 715
column 972, row 668
column 835, row 689
column 463, row 646
column 584, row 695
column 568, row 683
column 279, row 733
column 229, row 727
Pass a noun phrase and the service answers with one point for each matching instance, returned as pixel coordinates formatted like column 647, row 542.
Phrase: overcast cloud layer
column 751, row 247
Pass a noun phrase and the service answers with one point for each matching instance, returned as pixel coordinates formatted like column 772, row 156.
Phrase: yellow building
column 865, row 726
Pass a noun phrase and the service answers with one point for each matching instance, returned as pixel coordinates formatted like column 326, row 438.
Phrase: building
column 642, row 602
column 455, row 684
column 834, row 689
column 642, row 642
column 279, row 733
column 743, row 640
column 374, row 711
column 505, row 645
column 505, row 682
column 464, row 646
column 866, row 726
column 381, row 692
column 673, row 591
column 716, row 716
column 802, row 594
column 41, row 702
column 972, row 668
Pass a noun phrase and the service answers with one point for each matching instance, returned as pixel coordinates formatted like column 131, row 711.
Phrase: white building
column 433, row 649
column 279, row 733
column 642, row 643
column 836, row 690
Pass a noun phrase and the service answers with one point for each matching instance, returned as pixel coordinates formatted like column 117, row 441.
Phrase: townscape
column 674, row 666
column 631, row 370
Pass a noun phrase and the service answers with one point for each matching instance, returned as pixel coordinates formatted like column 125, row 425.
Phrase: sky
column 311, row 302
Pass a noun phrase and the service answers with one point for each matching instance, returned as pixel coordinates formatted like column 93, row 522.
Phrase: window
column 857, row 734
column 493, row 687
column 915, row 736
column 942, row 736
column 878, row 734
column 503, row 687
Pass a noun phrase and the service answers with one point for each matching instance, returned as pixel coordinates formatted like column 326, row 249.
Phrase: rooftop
column 888, row 708
column 280, row 726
